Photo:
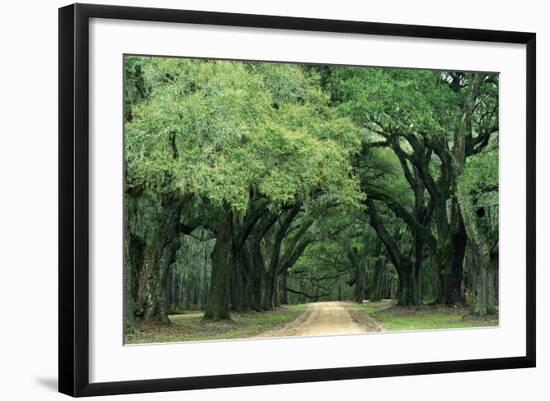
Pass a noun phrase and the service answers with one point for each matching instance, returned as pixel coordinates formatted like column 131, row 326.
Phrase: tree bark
column 408, row 294
column 280, row 263
column 484, row 268
column 217, row 306
column 129, row 316
column 283, row 284
column 455, row 294
column 240, row 279
column 358, row 270
column 376, row 290
column 485, row 299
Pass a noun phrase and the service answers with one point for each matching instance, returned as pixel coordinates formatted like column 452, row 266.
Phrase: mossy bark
column 129, row 316
column 283, row 284
column 408, row 289
column 376, row 289
column 484, row 267
column 159, row 253
column 455, row 291
column 217, row 306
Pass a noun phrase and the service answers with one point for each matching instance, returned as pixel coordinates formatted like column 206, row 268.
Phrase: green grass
column 189, row 326
column 397, row 318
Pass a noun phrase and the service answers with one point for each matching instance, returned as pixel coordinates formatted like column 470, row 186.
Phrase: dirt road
column 326, row 318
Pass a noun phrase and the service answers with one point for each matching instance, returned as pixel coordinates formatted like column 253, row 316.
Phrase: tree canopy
column 289, row 183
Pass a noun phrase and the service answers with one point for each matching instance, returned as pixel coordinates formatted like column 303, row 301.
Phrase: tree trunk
column 376, row 290
column 359, row 283
column 217, row 306
column 484, row 294
column 443, row 251
column 239, row 281
column 358, row 275
column 407, row 294
column 149, row 282
column 483, row 269
column 279, row 264
column 408, row 290
column 129, row 317
column 168, row 257
column 158, row 254
column 455, row 294
column 283, row 280
column 418, row 261
column 254, row 259
column 257, row 267
column 268, row 293
column 485, row 300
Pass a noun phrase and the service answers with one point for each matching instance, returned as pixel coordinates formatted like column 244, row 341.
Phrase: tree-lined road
column 325, row 318
column 253, row 186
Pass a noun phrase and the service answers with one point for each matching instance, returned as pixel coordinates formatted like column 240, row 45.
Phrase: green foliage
column 480, row 177
column 135, row 89
column 211, row 129
column 481, row 180
column 396, row 99
column 287, row 83
column 212, row 137
column 382, row 170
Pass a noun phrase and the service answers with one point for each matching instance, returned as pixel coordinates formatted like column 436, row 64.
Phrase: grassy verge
column 189, row 326
column 398, row 318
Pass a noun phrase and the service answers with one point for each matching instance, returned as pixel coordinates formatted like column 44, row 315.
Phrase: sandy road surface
column 325, row 318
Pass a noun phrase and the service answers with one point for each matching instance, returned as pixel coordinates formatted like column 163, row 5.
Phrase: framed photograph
column 251, row 199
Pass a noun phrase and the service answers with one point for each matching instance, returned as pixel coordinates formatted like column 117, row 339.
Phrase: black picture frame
column 74, row 199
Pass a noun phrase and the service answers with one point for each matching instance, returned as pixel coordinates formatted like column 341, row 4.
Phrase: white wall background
column 28, row 199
